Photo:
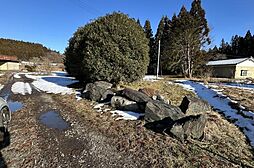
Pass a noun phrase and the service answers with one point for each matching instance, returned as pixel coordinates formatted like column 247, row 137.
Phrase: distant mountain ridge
column 25, row 51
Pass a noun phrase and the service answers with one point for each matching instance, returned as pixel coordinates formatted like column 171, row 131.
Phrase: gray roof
column 229, row 61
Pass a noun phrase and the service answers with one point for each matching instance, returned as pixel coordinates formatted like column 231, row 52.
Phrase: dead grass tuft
column 243, row 96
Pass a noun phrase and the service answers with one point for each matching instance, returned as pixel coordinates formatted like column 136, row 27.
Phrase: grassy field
column 224, row 145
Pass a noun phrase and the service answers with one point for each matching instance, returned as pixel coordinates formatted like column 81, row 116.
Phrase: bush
column 30, row 68
column 113, row 48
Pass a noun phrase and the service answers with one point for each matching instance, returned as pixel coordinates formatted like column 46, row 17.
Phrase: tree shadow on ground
column 61, row 81
column 4, row 142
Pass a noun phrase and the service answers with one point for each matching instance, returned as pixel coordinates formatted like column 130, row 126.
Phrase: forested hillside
column 25, row 51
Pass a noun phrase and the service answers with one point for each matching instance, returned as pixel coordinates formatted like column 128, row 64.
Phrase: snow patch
column 49, row 87
column 99, row 106
column 21, row 88
column 1, row 87
column 151, row 78
column 126, row 115
column 17, row 76
column 185, row 86
column 222, row 103
column 121, row 115
column 57, row 83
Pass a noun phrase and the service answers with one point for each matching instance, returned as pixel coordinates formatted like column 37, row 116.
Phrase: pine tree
column 235, row 45
column 247, row 45
column 199, row 16
column 239, row 47
column 162, row 35
column 153, row 58
column 138, row 21
column 159, row 37
column 189, row 33
column 223, row 46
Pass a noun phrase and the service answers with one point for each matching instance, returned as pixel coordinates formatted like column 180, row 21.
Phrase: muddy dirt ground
column 41, row 137
column 50, row 130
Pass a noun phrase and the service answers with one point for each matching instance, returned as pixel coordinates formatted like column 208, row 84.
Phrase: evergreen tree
column 223, row 46
column 247, row 45
column 189, row 33
column 113, row 48
column 239, row 47
column 160, row 30
column 138, row 21
column 159, row 37
column 235, row 45
column 162, row 35
column 153, row 58
column 199, row 17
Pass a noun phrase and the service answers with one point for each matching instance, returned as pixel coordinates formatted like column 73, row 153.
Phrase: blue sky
column 52, row 22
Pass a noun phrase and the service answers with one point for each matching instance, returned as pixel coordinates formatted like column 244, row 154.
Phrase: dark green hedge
column 112, row 48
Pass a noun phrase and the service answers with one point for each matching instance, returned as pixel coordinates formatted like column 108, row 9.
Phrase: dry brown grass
column 245, row 97
column 4, row 78
column 224, row 145
column 172, row 92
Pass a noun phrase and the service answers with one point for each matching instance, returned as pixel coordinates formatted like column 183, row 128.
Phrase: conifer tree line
column 182, row 39
column 26, row 50
column 239, row 47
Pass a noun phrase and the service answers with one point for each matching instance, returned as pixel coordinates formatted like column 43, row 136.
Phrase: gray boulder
column 135, row 95
column 107, row 95
column 149, row 92
column 156, row 110
column 95, row 91
column 121, row 103
column 192, row 106
column 103, row 84
column 162, row 99
column 188, row 127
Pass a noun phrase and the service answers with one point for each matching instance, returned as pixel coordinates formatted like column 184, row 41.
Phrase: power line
column 86, row 7
column 85, row 2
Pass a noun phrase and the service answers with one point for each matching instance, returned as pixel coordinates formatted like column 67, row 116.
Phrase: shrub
column 112, row 48
column 30, row 68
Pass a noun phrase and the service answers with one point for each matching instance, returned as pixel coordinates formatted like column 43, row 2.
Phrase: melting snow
column 21, row 88
column 126, row 115
column 56, row 83
column 17, row 76
column 121, row 115
column 222, row 103
column 99, row 106
column 151, row 78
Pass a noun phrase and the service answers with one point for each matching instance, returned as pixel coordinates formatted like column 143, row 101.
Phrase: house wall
column 223, row 71
column 246, row 65
column 9, row 66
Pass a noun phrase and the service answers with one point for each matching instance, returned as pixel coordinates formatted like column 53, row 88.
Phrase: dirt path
column 44, row 134
column 53, row 130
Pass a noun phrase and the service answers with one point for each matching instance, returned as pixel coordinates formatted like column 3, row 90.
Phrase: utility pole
column 158, row 61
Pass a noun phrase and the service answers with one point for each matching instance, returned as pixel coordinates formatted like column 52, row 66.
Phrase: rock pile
column 183, row 122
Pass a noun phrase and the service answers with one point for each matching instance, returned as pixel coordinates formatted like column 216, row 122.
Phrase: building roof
column 8, row 58
column 229, row 61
